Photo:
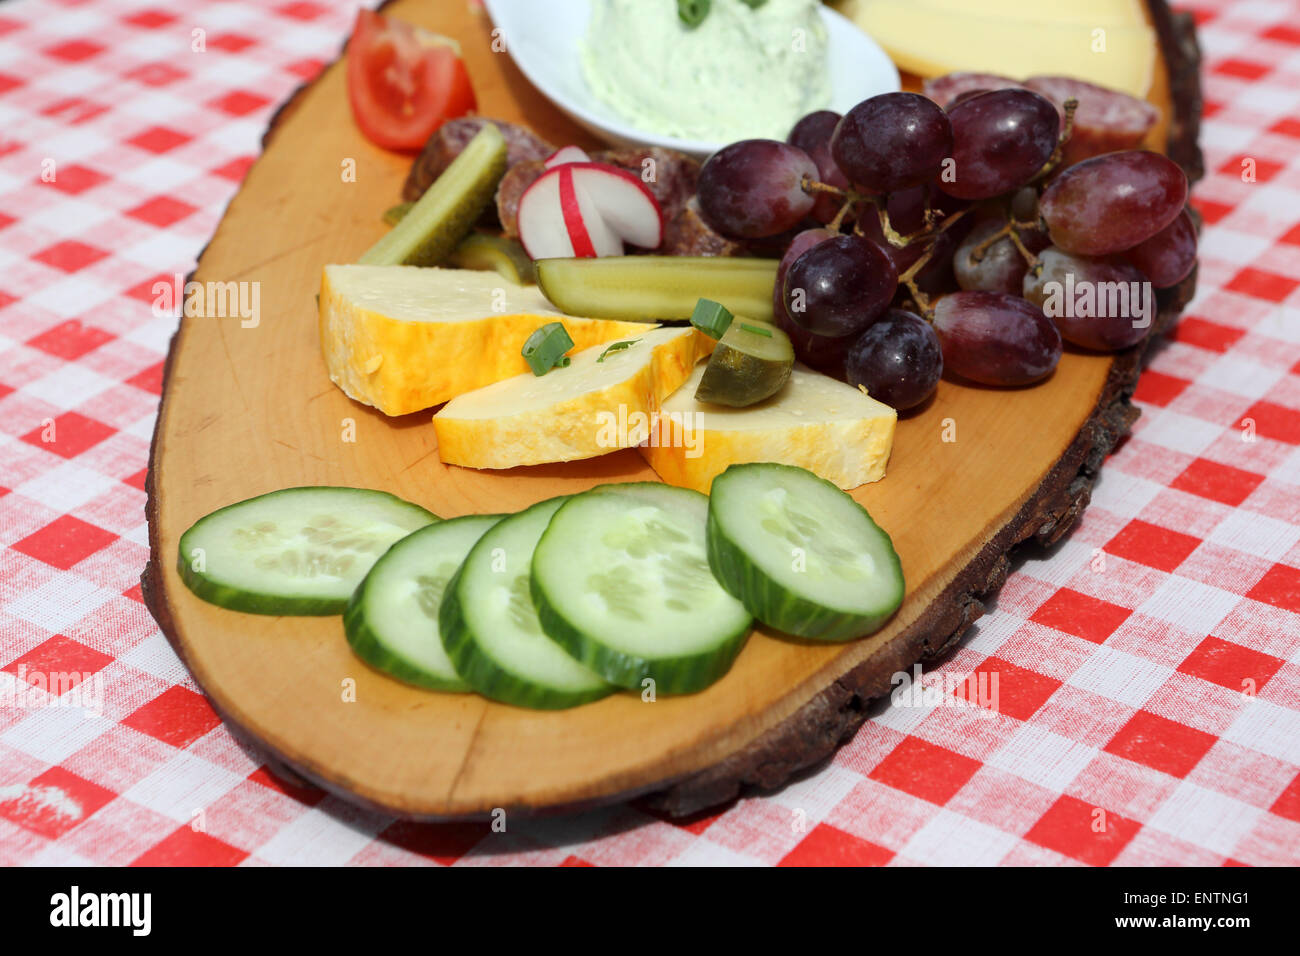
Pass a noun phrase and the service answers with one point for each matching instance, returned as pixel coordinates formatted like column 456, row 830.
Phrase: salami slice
column 687, row 234
column 1106, row 120
column 513, row 184
column 453, row 136
column 947, row 89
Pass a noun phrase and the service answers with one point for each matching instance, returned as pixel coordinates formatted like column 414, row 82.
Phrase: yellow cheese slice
column 1089, row 12
column 403, row 338
column 605, row 400
column 931, row 41
column 832, row 429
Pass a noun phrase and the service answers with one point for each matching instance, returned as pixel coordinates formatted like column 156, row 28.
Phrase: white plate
column 543, row 36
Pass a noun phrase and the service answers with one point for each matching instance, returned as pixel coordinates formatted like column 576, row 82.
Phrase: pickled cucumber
column 442, row 217
column 751, row 362
column 657, row 288
column 506, row 256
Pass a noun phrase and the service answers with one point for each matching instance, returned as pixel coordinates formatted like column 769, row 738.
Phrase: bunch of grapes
column 922, row 238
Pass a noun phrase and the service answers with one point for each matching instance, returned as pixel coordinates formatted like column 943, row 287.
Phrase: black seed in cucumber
column 802, row 555
column 621, row 580
column 487, row 253
column 751, row 362
column 490, row 629
column 296, row 551
column 657, row 288
column 444, row 215
column 391, row 622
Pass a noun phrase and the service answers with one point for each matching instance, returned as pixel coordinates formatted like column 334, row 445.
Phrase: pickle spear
column 752, row 361
column 657, row 288
column 442, row 217
column 481, row 251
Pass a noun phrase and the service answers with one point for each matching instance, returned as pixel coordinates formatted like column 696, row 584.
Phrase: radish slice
column 566, row 154
column 624, row 202
column 582, row 210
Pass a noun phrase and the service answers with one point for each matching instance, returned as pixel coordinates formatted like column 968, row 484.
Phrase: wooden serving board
column 251, row 410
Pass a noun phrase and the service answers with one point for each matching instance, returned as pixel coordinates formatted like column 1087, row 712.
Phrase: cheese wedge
column 1090, row 12
column 605, row 400
column 816, row 422
column 934, row 40
column 403, row 338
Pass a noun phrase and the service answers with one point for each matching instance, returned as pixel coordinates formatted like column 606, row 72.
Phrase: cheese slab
column 816, row 422
column 607, row 399
column 405, row 338
column 934, row 40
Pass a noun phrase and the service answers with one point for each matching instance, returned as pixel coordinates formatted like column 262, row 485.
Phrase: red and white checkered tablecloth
column 1122, row 736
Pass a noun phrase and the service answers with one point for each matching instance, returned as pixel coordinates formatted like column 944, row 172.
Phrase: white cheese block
column 1088, row 12
column 403, row 338
column 816, row 422
column 603, row 401
column 933, row 40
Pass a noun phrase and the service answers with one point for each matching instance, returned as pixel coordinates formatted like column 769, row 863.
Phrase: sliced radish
column 566, row 154
column 559, row 219
column 582, row 210
column 624, row 202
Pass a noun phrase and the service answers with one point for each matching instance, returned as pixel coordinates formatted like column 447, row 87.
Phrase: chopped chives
column 756, row 329
column 545, row 348
column 711, row 318
column 617, row 347
column 693, row 12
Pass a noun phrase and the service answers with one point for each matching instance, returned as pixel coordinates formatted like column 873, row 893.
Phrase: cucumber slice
column 621, row 580
column 752, row 361
column 657, row 288
column 490, row 629
column 392, row 620
column 442, row 217
column 488, row 253
column 803, row 556
column 296, row 551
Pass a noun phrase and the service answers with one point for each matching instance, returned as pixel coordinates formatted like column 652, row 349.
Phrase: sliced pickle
column 487, row 253
column 657, row 288
column 394, row 214
column 442, row 217
column 751, row 362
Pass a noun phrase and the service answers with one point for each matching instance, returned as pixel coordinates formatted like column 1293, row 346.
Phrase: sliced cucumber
column 621, row 580
column 752, row 361
column 490, row 628
column 487, row 253
column 296, row 551
column 657, row 288
column 392, row 620
column 441, row 218
column 802, row 556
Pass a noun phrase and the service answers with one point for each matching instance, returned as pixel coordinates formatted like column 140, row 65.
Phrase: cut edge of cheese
column 593, row 407
column 930, row 42
column 406, row 338
column 816, row 422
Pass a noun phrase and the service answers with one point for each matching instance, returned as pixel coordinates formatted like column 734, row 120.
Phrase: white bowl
column 543, row 37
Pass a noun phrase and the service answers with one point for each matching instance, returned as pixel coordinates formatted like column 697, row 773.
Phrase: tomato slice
column 403, row 81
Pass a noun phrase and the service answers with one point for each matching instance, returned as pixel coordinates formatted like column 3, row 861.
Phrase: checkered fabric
column 1148, row 670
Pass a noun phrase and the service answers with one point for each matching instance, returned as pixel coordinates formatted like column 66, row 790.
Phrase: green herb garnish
column 693, row 12
column 756, row 329
column 617, row 347
column 545, row 348
column 711, row 318
column 753, row 4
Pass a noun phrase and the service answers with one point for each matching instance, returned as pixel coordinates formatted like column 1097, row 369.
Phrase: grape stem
column 1067, row 129
column 1012, row 231
column 908, row 277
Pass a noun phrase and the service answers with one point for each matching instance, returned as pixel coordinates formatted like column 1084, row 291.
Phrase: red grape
column 812, row 134
column 1000, row 140
column 822, row 353
column 1099, row 303
column 892, row 141
column 1001, row 269
column 995, row 338
column 1168, row 256
column 839, row 286
column 897, row 360
column 1112, row 202
column 754, row 188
